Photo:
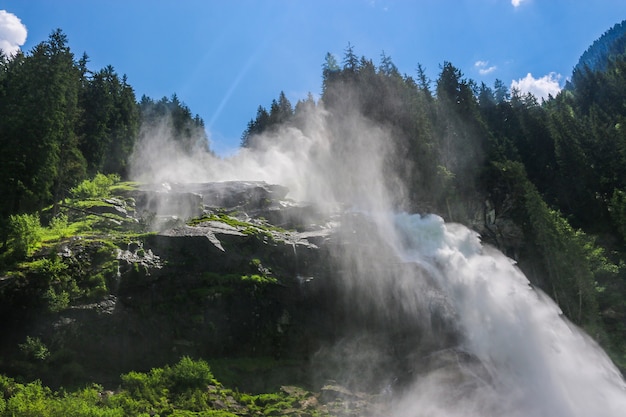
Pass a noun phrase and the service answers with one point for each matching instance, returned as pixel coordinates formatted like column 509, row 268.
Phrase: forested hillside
column 62, row 122
column 545, row 182
column 611, row 45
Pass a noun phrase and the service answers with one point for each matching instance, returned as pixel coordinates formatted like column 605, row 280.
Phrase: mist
column 485, row 342
column 323, row 162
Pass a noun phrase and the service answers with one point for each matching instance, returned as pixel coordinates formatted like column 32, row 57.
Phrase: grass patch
column 258, row 228
column 242, row 226
column 122, row 187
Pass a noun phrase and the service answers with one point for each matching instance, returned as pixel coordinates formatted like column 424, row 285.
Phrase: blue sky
column 225, row 58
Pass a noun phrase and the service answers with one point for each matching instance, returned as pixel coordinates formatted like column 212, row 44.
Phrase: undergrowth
column 187, row 388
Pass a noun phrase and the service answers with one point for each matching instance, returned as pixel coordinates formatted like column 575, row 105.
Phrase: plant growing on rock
column 98, row 187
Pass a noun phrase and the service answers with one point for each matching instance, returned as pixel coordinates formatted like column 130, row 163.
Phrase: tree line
column 556, row 168
column 61, row 123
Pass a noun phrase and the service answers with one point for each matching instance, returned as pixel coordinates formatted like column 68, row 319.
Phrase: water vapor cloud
column 12, row 33
column 309, row 159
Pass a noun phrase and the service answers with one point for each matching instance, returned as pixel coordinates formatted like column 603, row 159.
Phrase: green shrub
column 29, row 400
column 33, row 399
column 98, row 187
column 34, row 348
column 187, row 375
column 62, row 286
column 57, row 301
column 25, row 233
column 144, row 386
column 183, row 385
column 59, row 226
column 259, row 279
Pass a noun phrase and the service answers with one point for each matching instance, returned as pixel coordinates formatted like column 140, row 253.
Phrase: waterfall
column 537, row 363
column 505, row 347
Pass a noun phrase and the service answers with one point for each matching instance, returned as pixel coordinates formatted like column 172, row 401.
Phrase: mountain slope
column 611, row 44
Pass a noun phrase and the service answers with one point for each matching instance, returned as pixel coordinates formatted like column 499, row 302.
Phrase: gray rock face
column 251, row 273
column 184, row 200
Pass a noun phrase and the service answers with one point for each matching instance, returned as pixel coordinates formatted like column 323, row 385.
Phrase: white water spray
column 526, row 359
column 538, row 362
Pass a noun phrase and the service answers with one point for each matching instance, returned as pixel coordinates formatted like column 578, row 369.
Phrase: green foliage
column 281, row 113
column 572, row 261
column 55, row 282
column 29, row 400
column 187, row 375
column 34, row 348
column 259, row 279
column 618, row 212
column 98, row 187
column 187, row 388
column 24, row 234
column 161, row 390
column 61, row 286
column 60, row 121
column 59, row 226
column 34, row 399
column 259, row 229
column 57, row 301
column 110, row 123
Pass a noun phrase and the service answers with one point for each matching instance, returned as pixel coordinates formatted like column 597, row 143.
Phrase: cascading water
column 512, row 353
column 537, row 363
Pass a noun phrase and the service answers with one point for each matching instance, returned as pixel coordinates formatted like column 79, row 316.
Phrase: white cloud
column 12, row 33
column 484, row 68
column 539, row 87
column 517, row 3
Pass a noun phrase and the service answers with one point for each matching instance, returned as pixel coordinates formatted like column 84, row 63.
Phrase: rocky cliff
column 221, row 271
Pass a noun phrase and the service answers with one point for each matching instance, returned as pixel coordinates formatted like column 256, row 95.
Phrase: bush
column 25, row 233
column 29, row 400
column 163, row 389
column 188, row 374
column 34, row 348
column 62, row 286
column 59, row 225
column 57, row 301
column 98, row 187
column 33, row 399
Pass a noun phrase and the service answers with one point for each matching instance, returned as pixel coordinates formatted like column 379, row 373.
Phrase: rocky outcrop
column 240, row 271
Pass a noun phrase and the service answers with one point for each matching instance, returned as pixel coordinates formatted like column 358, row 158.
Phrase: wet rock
column 253, row 275
column 168, row 203
column 187, row 200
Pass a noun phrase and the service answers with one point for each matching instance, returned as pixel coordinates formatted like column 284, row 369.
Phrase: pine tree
column 40, row 113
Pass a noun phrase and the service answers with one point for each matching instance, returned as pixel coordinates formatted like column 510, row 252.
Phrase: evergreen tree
column 350, row 60
column 40, row 112
column 255, row 127
column 387, row 67
column 281, row 113
column 187, row 130
column 423, row 81
column 501, row 91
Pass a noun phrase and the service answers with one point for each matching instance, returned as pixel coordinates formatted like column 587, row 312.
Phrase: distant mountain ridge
column 610, row 45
